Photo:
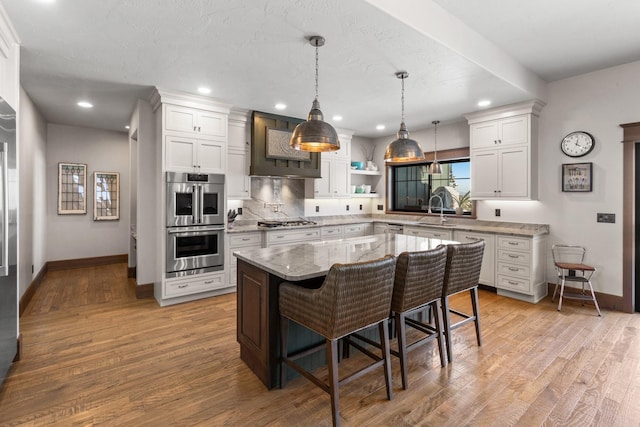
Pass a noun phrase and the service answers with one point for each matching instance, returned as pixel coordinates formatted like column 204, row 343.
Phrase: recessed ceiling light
column 484, row 103
column 85, row 104
column 127, row 127
column 337, row 118
column 380, row 127
column 47, row 1
column 280, row 106
column 204, row 90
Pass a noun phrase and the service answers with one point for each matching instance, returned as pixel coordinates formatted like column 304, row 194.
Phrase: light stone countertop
column 463, row 224
column 308, row 260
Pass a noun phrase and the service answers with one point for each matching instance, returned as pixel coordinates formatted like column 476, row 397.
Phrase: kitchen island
column 260, row 272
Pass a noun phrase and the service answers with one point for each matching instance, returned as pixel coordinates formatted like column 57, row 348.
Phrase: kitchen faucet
column 442, row 219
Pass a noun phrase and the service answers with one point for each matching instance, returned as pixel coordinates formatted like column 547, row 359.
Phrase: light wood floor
column 93, row 354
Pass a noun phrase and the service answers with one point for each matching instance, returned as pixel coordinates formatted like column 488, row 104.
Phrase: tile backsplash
column 274, row 197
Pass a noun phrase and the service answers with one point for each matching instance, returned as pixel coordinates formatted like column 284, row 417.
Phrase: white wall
column 32, row 183
column 598, row 103
column 78, row 236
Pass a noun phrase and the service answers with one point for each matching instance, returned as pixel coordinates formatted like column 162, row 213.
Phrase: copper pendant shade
column 403, row 149
column 315, row 134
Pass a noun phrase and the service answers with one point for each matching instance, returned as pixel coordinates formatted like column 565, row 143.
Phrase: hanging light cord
column 435, row 140
column 316, row 73
column 402, row 98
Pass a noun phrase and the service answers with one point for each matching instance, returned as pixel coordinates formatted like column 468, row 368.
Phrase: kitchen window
column 411, row 186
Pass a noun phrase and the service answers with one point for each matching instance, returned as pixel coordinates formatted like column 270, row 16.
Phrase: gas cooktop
column 284, row 223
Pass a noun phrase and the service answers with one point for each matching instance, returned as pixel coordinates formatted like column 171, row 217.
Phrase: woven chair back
column 464, row 262
column 419, row 278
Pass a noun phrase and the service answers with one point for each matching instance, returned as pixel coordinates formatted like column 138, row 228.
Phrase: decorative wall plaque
column 278, row 146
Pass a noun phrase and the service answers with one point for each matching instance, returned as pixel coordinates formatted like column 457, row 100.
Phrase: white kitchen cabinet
column 429, row 232
column 238, row 157
column 195, row 121
column 500, row 173
column 357, row 230
column 509, row 131
column 286, row 237
column 503, row 150
column 185, row 154
column 520, row 267
column 181, row 286
column 487, row 273
column 251, row 240
column 335, row 181
column 331, row 232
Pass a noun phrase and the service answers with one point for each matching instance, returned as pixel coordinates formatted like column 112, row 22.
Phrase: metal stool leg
column 593, row 295
column 561, row 294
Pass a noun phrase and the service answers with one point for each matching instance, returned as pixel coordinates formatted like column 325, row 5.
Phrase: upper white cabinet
column 192, row 120
column 335, row 168
column 503, row 147
column 194, row 155
column 238, row 156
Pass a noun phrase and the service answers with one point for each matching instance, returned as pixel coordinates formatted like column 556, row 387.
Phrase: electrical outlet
column 497, row 212
column 606, row 217
column 317, row 208
column 360, row 207
column 380, row 207
column 347, row 207
column 239, row 211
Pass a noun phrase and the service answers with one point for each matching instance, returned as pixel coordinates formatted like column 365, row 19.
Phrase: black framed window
column 412, row 187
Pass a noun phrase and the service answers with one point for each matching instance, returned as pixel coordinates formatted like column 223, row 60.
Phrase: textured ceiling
column 253, row 54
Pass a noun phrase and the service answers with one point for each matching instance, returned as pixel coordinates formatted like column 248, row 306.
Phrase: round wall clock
column 577, row 144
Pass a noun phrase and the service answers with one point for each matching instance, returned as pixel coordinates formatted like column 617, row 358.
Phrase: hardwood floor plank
column 94, row 354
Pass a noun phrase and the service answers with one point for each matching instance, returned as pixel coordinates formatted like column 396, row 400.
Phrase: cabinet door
column 484, row 134
column 180, row 119
column 340, row 180
column 211, row 124
column 211, row 157
column 514, row 130
column 238, row 179
column 323, row 185
column 514, row 172
column 180, row 154
column 484, row 174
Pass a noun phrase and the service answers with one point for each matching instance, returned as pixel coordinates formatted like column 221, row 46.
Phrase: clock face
column 577, row 144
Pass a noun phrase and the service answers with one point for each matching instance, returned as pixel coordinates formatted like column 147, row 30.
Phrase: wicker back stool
column 418, row 285
column 351, row 298
column 462, row 273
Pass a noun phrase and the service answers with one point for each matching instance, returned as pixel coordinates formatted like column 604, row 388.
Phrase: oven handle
column 196, row 204
column 194, row 229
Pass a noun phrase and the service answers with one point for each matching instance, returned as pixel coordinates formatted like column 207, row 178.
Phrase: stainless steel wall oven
column 195, row 223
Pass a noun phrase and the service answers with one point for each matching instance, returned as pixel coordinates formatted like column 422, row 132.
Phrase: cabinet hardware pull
column 245, row 239
column 513, row 269
column 437, row 234
column 208, row 282
column 279, row 237
column 471, row 238
column 309, row 234
column 513, row 256
column 513, row 243
column 198, row 128
column 512, row 282
column 182, row 286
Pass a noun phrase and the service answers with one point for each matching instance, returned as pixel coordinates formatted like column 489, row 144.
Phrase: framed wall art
column 72, row 188
column 106, row 203
column 278, row 146
column 577, row 177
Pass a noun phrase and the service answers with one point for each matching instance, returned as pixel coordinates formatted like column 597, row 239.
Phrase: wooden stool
column 570, row 268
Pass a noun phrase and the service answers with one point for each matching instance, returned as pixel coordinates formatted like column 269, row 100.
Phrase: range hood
column 270, row 151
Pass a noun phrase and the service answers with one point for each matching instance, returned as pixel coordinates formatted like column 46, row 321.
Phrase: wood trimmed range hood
column 266, row 162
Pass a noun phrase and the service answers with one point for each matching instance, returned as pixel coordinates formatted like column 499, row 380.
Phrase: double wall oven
column 195, row 223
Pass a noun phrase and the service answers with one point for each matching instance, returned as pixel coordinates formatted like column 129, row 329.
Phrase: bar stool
column 418, row 285
column 462, row 273
column 568, row 260
column 352, row 297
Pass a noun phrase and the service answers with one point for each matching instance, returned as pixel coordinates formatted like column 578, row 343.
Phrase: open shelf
column 364, row 195
column 364, row 172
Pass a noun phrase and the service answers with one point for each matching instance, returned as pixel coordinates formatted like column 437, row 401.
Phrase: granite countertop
column 495, row 227
column 308, row 260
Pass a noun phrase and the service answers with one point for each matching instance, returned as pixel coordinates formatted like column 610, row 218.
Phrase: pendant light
column 403, row 149
column 315, row 134
column 434, row 168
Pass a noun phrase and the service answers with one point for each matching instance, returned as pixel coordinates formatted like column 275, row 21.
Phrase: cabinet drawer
column 514, row 243
column 195, row 284
column 431, row 233
column 513, row 283
column 331, row 232
column 514, row 257
column 354, row 230
column 280, row 237
column 245, row 239
column 513, row 269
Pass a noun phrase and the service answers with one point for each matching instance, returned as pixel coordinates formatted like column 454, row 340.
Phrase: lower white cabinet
column 520, row 267
column 431, row 233
column 331, row 232
column 488, row 271
column 357, row 230
column 239, row 241
column 285, row 237
column 180, row 286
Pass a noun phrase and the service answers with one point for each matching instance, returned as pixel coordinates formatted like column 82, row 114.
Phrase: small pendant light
column 434, row 168
column 403, row 149
column 315, row 134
